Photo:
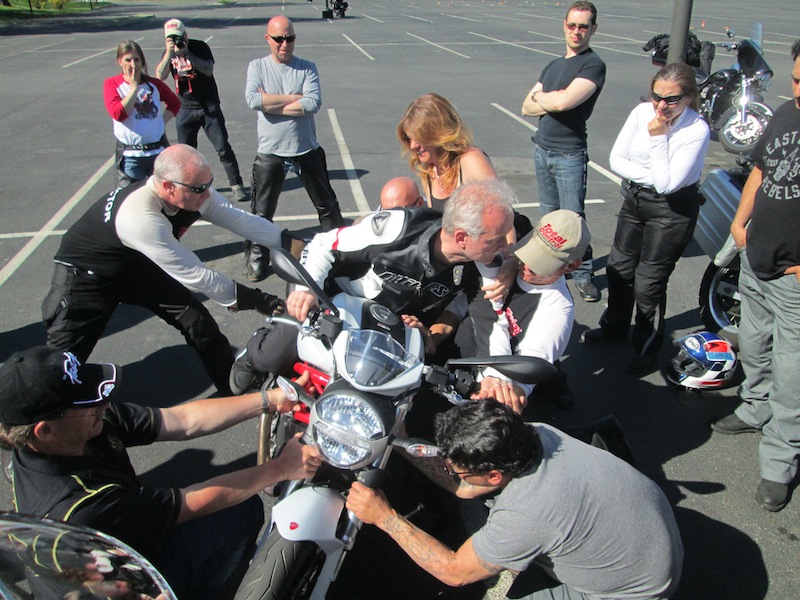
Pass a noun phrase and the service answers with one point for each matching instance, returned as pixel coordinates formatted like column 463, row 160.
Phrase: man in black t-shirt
column 769, row 283
column 563, row 99
column 192, row 66
column 70, row 463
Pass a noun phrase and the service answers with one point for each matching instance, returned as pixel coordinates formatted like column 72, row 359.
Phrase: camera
column 178, row 40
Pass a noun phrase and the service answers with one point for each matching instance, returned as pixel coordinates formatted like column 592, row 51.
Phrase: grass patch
column 33, row 9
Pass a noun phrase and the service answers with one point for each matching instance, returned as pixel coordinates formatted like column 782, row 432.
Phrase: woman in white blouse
column 659, row 154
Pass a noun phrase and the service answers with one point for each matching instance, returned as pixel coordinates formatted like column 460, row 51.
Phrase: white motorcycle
column 370, row 365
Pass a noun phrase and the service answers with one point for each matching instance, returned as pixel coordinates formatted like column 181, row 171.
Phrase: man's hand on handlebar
column 300, row 303
column 505, row 392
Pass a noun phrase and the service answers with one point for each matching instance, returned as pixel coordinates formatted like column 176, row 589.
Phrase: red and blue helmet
column 704, row 361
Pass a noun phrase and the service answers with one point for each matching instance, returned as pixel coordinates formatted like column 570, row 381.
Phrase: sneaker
column 239, row 193
column 771, row 495
column 243, row 378
column 600, row 335
column 588, row 291
column 733, row 425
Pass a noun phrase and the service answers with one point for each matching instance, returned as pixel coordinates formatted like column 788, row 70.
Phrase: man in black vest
column 192, row 66
column 126, row 249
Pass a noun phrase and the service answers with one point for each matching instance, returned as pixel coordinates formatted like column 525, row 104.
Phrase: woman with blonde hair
column 133, row 101
column 439, row 148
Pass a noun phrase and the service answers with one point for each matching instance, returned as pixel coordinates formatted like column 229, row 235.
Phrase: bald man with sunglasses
column 285, row 92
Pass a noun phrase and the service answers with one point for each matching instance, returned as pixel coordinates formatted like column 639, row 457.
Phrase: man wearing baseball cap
column 70, row 463
column 537, row 315
column 192, row 66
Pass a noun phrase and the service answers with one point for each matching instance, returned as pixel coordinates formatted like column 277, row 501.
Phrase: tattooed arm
column 453, row 568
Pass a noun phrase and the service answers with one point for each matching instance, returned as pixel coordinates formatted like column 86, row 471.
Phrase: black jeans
column 80, row 303
column 652, row 233
column 188, row 123
column 268, row 175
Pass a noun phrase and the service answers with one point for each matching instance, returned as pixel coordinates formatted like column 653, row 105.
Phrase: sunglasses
column 279, row 39
column 197, row 189
column 670, row 100
column 579, row 26
column 451, row 471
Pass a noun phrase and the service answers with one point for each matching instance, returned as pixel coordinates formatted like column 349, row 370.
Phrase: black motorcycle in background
column 731, row 99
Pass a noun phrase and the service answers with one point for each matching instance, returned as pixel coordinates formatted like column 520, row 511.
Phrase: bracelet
column 265, row 405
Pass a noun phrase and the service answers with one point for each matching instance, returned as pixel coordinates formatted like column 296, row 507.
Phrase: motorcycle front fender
column 310, row 514
column 751, row 105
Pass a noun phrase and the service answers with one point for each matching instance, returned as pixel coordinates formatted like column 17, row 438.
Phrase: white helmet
column 705, row 360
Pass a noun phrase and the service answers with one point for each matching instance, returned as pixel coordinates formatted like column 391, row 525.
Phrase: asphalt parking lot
column 484, row 57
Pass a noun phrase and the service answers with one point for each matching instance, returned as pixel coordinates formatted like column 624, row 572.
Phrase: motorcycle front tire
column 281, row 570
column 720, row 307
column 737, row 138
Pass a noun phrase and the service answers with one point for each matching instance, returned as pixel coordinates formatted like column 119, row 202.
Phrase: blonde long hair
column 432, row 120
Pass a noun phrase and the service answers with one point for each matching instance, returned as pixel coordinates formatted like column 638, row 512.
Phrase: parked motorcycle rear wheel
column 737, row 137
column 282, row 570
column 719, row 301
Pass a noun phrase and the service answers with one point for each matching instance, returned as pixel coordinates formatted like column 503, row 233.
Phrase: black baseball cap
column 39, row 382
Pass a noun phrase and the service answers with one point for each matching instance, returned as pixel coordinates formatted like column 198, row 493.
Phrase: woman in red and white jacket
column 133, row 99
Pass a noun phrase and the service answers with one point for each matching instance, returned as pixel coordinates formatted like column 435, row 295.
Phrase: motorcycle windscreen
column 373, row 358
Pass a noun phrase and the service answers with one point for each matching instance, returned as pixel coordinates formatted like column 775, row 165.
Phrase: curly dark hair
column 484, row 435
column 796, row 50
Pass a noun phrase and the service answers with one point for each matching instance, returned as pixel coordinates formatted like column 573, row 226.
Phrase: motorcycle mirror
column 294, row 391
column 288, row 268
column 525, row 369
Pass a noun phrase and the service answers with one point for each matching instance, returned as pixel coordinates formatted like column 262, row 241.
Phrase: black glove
column 252, row 298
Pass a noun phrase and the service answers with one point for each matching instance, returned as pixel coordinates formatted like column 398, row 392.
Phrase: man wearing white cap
column 537, row 315
column 192, row 66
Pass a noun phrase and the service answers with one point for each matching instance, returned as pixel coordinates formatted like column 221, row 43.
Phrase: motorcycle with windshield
column 368, row 366
column 731, row 99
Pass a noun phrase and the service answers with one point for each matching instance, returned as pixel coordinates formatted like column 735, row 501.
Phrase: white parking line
column 373, row 18
column 437, row 45
column 41, row 235
column 460, row 17
column 513, row 44
column 602, row 170
column 96, row 55
column 418, row 18
column 349, row 167
column 364, row 52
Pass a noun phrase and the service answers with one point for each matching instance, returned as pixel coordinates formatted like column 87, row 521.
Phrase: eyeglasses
column 451, row 471
column 579, row 26
column 197, row 189
column 670, row 100
column 279, row 39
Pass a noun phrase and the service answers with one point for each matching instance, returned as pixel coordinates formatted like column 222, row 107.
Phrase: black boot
column 257, row 262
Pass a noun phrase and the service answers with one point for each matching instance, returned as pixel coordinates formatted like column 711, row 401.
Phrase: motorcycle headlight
column 345, row 424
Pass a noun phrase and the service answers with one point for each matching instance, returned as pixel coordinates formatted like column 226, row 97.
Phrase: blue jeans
column 211, row 120
column 561, row 178
column 206, row 557
column 769, row 348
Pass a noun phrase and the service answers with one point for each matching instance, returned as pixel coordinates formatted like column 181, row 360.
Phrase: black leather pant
column 652, row 232
column 80, row 304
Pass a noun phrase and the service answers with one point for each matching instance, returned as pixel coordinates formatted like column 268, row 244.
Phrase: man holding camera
column 192, row 66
